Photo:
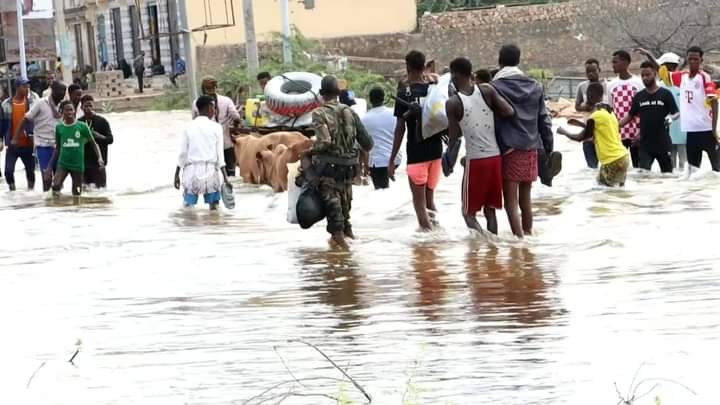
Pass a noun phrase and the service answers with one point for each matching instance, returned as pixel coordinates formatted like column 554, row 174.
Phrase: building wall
column 329, row 18
column 72, row 18
column 559, row 36
column 556, row 36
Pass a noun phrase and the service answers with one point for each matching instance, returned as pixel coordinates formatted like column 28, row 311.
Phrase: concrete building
column 108, row 31
column 325, row 18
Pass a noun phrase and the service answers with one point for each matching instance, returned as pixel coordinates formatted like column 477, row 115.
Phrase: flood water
column 185, row 307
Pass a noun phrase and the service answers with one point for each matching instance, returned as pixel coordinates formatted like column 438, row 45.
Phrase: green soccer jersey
column 71, row 140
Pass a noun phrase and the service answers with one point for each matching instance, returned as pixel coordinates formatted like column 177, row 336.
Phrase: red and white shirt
column 621, row 94
column 694, row 91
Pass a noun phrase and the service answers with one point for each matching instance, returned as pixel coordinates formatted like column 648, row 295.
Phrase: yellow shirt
column 608, row 146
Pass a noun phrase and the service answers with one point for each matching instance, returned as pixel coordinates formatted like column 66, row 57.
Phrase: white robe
column 201, row 157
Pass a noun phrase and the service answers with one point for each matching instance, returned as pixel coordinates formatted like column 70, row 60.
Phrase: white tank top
column 478, row 126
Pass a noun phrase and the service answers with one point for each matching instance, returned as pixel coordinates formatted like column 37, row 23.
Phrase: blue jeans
column 192, row 199
column 590, row 155
column 44, row 154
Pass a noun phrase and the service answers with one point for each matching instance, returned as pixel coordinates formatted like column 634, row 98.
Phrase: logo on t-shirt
column 77, row 134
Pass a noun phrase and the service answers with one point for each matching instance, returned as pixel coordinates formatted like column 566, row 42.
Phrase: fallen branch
column 632, row 396
column 280, row 384
column 352, row 380
column 73, row 357
column 33, row 375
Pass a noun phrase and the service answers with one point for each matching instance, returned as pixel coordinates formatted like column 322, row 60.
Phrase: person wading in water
column 471, row 114
column 338, row 131
column 70, row 139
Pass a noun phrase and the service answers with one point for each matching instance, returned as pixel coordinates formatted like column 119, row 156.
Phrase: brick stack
column 109, row 84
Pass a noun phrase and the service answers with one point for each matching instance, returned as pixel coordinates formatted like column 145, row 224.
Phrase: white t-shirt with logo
column 695, row 116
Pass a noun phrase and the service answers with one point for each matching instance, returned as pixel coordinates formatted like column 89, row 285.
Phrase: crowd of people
column 503, row 119
column 60, row 133
column 506, row 126
column 665, row 115
column 501, row 116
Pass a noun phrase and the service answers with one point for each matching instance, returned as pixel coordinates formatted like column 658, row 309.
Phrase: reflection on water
column 334, row 279
column 509, row 288
column 177, row 306
column 431, row 279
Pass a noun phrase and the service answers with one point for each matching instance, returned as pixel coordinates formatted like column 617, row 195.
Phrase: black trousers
column 663, row 156
column 230, row 161
column 93, row 175
column 699, row 142
column 26, row 155
column 634, row 152
column 141, row 78
column 379, row 176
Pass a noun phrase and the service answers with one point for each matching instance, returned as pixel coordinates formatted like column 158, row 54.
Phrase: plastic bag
column 310, row 209
column 228, row 198
column 434, row 117
column 293, row 193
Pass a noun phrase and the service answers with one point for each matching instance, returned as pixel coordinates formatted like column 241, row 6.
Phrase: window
column 92, row 53
column 154, row 31
column 117, row 32
column 77, row 28
column 101, row 38
column 135, row 30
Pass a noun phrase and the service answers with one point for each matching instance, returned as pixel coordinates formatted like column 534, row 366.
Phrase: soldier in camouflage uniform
column 338, row 132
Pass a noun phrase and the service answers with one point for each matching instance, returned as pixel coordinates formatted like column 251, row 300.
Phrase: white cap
column 669, row 58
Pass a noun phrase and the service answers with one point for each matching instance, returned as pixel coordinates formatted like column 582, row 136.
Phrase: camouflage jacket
column 338, row 132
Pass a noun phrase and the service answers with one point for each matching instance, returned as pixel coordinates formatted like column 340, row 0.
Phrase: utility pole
column 21, row 39
column 189, row 50
column 251, row 48
column 287, row 47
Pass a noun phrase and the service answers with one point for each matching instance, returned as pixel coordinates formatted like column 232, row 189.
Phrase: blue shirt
column 180, row 67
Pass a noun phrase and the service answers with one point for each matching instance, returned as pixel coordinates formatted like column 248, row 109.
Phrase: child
column 70, row 139
column 603, row 125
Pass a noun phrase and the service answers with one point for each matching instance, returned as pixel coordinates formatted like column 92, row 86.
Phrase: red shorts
column 482, row 185
column 520, row 166
column 425, row 173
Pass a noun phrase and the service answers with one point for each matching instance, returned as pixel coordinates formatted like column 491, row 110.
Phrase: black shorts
column 380, row 177
column 699, row 142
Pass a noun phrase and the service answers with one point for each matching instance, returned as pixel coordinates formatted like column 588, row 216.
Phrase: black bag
column 310, row 209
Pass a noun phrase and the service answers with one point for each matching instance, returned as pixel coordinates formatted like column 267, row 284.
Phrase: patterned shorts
column 614, row 174
column 520, row 166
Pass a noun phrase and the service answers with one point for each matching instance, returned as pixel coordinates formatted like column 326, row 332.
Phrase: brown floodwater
column 171, row 306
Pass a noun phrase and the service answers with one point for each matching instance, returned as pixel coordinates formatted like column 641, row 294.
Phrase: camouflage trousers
column 337, row 199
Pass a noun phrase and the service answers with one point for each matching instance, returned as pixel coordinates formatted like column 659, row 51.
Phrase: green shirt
column 71, row 140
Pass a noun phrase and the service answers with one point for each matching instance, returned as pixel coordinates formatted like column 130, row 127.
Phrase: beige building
column 326, row 19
